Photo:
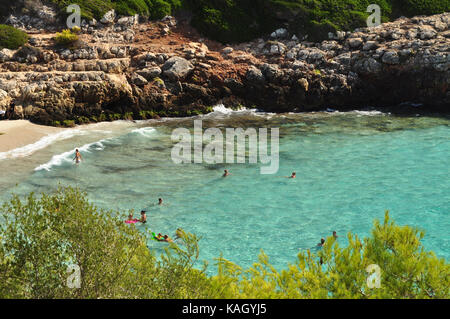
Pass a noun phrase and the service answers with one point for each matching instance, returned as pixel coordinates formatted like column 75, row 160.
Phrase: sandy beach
column 18, row 133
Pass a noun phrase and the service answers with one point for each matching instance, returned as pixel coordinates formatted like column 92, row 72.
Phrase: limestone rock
column 108, row 17
column 177, row 68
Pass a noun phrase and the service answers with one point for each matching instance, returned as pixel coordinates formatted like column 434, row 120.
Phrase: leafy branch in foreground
column 407, row 270
column 41, row 237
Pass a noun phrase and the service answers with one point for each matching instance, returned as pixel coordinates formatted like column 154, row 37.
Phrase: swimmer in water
column 335, row 235
column 77, row 158
column 293, row 175
column 143, row 219
column 226, row 173
column 167, row 239
column 160, row 201
column 322, row 242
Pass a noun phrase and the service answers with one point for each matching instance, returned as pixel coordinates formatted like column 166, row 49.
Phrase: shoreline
column 19, row 133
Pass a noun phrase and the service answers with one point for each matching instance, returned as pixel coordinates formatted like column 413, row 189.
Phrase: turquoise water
column 350, row 167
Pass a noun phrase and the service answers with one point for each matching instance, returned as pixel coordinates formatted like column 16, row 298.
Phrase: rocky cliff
column 121, row 68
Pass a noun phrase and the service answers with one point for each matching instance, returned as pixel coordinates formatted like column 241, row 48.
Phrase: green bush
column 42, row 236
column 68, row 123
column 420, row 7
column 243, row 20
column 407, row 271
column 11, row 38
column 66, row 37
column 155, row 9
column 89, row 8
column 236, row 21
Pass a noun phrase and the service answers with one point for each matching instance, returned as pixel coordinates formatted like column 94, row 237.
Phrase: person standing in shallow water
column 335, row 234
column 160, row 201
column 226, row 173
column 78, row 157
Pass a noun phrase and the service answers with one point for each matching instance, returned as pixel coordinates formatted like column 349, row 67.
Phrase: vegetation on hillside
column 66, row 37
column 241, row 20
column 11, row 38
column 154, row 9
column 41, row 237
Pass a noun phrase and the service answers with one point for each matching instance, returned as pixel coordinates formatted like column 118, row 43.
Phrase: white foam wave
column 221, row 110
column 369, row 113
column 67, row 157
column 144, row 131
column 40, row 144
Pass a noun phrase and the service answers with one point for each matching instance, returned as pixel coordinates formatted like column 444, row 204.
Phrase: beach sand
column 18, row 133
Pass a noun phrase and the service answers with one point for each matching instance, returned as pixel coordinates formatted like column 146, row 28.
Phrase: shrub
column 76, row 30
column 12, row 38
column 82, row 120
column 407, row 270
column 63, row 228
column 68, row 123
column 160, row 9
column 420, row 7
column 41, row 236
column 66, row 37
column 89, row 8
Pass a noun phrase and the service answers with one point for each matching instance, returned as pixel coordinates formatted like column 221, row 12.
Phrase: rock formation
column 121, row 67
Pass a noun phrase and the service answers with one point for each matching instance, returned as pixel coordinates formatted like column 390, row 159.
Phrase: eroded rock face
column 110, row 73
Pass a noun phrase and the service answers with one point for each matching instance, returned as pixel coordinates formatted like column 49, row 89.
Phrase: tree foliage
column 242, row 20
column 407, row 270
column 40, row 237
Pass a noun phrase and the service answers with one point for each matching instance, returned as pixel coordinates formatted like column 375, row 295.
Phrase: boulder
column 177, row 68
column 370, row 45
column 275, row 48
column 6, row 55
column 391, row 57
column 108, row 17
column 227, row 50
column 427, row 32
column 279, row 33
column 355, row 42
column 254, row 75
column 271, row 71
column 5, row 100
column 150, row 73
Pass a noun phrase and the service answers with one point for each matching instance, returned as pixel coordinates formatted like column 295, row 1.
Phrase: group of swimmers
column 166, row 238
column 322, row 240
column 143, row 220
column 227, row 173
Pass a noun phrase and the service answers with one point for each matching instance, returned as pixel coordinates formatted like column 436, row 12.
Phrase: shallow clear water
column 351, row 167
